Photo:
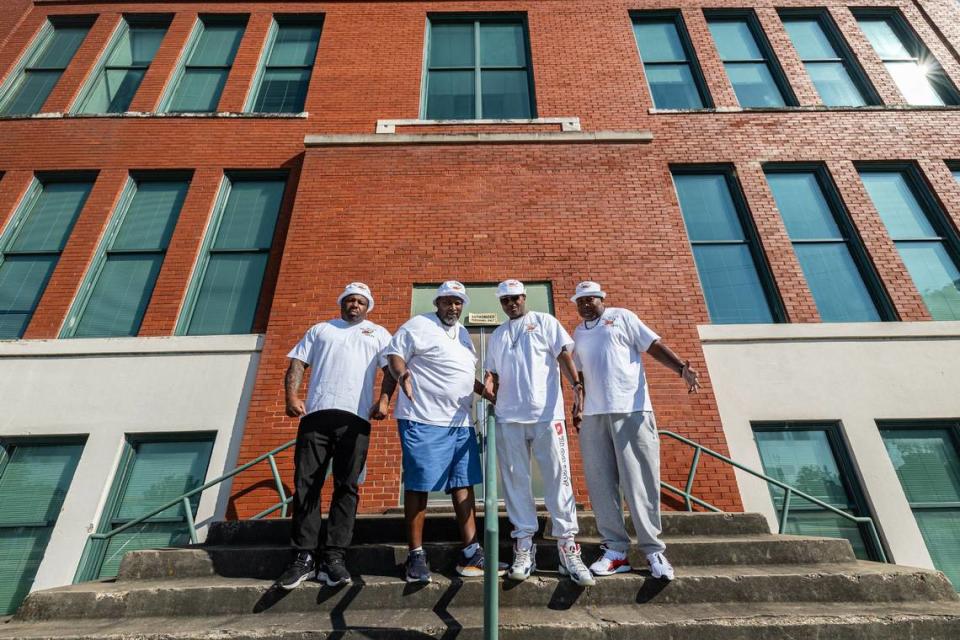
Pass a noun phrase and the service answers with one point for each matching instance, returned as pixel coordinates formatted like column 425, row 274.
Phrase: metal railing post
column 693, row 474
column 491, row 535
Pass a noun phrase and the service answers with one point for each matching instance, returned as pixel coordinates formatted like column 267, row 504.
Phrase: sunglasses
column 509, row 299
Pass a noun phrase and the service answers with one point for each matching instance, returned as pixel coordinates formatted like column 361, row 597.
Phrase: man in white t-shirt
column 433, row 360
column 343, row 355
column 525, row 357
column 619, row 442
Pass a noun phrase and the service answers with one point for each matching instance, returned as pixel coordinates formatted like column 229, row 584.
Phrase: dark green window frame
column 848, row 476
column 477, row 20
column 675, row 18
column 279, row 22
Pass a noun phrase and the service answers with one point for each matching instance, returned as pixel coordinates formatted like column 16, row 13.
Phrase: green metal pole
column 491, row 538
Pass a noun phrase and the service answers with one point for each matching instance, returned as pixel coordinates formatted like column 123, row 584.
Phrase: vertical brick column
column 13, row 186
column 705, row 49
column 933, row 38
column 786, row 54
column 76, row 73
column 240, row 81
column 945, row 188
column 77, row 255
column 866, row 56
column 17, row 41
column 161, row 316
column 164, row 63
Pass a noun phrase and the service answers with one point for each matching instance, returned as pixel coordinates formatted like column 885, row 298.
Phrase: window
column 478, row 68
column 915, row 71
column 115, row 296
column 282, row 85
column 121, row 71
column 672, row 72
column 830, row 253
column 924, row 239
column 226, row 286
column 31, row 247
column 927, row 460
column 746, row 56
column 209, row 58
column 43, row 65
column 813, row 459
column 152, row 472
column 725, row 249
column 828, row 60
column 34, row 479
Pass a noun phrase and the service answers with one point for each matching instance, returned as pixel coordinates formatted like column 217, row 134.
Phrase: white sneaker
column 610, row 562
column 660, row 567
column 571, row 564
column 524, row 563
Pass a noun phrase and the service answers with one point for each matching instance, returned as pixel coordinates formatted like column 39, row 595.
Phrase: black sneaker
column 302, row 568
column 333, row 573
column 416, row 567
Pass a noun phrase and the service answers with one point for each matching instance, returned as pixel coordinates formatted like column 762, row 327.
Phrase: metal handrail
column 491, row 535
column 690, row 499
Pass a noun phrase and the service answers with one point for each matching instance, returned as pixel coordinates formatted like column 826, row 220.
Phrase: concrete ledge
column 78, row 347
column 571, row 137
column 390, row 126
column 829, row 332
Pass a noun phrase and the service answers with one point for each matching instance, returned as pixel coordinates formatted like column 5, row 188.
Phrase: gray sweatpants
column 621, row 451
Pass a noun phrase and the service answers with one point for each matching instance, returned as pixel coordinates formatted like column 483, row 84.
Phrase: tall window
column 725, row 249
column 927, row 244
column 828, row 60
column 31, row 247
column 209, row 58
column 478, row 68
column 830, row 253
column 34, row 479
column 291, row 52
column 813, row 459
column 927, row 461
column 672, row 72
column 45, row 62
column 753, row 72
column 913, row 68
column 226, row 288
column 128, row 57
column 120, row 282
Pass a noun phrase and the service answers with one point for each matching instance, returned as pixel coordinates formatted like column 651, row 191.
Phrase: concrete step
column 810, row 621
column 267, row 562
column 441, row 527
column 866, row 582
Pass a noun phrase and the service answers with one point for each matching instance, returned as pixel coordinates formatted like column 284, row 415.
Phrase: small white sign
column 482, row 318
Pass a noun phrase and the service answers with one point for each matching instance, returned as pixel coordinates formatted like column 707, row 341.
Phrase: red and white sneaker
column 610, row 562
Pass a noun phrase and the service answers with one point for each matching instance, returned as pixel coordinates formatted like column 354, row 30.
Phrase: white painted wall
column 855, row 374
column 107, row 388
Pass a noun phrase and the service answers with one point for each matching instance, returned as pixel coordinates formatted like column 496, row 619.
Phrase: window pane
column 61, row 48
column 883, row 38
column 162, row 471
column 228, row 296
column 809, row 39
column 502, row 45
column 451, row 95
column 31, row 92
column 451, row 45
column 926, row 462
column 295, row 45
column 21, row 551
column 826, row 524
column 834, row 84
column 897, row 204
column 941, row 533
column 22, row 281
column 282, row 91
column 148, row 535
column 735, row 40
column 199, row 90
column 152, row 215
column 935, row 276
column 137, row 47
column 914, row 84
column 51, row 218
column 804, row 209
column 120, row 296
column 731, row 285
column 659, row 41
column 506, row 94
column 250, row 215
column 673, row 86
column 754, row 85
column 119, row 87
column 217, row 45
column 835, row 282
column 708, row 208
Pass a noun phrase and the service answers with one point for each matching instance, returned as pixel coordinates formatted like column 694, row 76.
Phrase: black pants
column 324, row 436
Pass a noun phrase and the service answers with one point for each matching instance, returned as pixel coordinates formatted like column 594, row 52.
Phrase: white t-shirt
column 443, row 367
column 343, row 360
column 608, row 354
column 523, row 353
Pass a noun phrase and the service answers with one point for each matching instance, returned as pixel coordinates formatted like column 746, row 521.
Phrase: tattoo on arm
column 294, row 376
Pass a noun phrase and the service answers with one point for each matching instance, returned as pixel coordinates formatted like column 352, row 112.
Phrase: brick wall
column 402, row 215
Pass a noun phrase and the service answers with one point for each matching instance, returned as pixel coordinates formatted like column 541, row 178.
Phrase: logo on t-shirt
column 368, row 332
column 610, row 322
column 531, row 327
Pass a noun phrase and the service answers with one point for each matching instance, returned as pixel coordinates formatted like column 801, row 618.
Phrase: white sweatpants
column 548, row 442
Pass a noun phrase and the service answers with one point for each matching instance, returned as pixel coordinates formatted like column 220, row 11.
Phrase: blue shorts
column 438, row 458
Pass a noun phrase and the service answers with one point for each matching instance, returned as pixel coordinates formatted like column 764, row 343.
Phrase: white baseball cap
column 360, row 289
column 452, row 288
column 588, row 288
column 511, row 288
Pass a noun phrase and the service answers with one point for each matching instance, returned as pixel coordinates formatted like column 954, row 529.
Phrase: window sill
column 805, row 109
column 828, row 332
column 157, row 114
column 390, row 126
column 75, row 347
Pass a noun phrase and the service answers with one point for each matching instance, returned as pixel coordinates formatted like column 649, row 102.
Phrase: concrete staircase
column 734, row 580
